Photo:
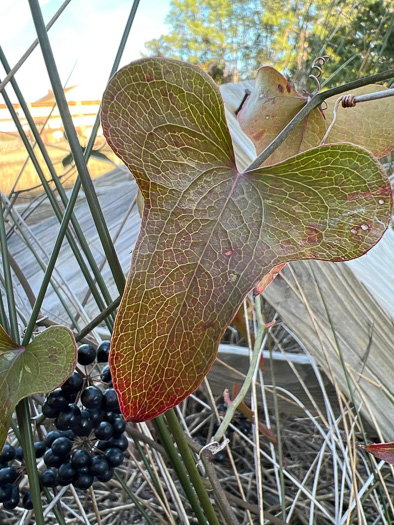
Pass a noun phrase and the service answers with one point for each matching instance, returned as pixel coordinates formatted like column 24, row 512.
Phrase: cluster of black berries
column 88, row 441
column 10, row 474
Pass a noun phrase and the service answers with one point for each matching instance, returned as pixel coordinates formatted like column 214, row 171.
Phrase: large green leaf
column 273, row 103
column 210, row 234
column 39, row 367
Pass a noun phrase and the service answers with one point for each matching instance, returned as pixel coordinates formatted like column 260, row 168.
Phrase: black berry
column 13, row 501
column 51, row 460
column 8, row 475
column 70, row 417
column 103, row 352
column 40, row 448
column 27, row 502
column 99, row 465
column 114, row 457
column 51, row 436
column 86, row 354
column 73, row 384
column 91, row 397
column 104, row 430
column 8, row 454
column 81, row 459
column 106, row 375
column 48, row 478
column 61, row 447
column 110, row 400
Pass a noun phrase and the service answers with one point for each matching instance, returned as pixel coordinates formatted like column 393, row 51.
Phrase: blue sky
column 87, row 34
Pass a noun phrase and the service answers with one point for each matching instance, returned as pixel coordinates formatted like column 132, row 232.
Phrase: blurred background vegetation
column 230, row 39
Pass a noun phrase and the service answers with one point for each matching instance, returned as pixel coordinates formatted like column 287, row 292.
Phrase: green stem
column 133, row 498
column 13, row 320
column 148, row 466
column 231, row 409
column 61, row 191
column 172, row 453
column 23, row 415
column 97, row 320
column 76, row 150
column 55, row 509
column 190, row 464
column 52, row 199
column 313, row 103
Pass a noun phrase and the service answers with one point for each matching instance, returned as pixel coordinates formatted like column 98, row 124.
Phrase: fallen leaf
column 209, row 234
column 39, row 367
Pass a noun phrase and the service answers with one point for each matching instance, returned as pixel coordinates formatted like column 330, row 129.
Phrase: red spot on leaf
column 149, row 77
column 288, row 88
column 267, row 279
column 358, row 195
column 229, row 252
column 314, row 235
column 385, row 190
column 281, row 89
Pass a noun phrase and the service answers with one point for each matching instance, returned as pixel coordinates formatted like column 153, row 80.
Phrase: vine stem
column 231, row 409
column 313, row 103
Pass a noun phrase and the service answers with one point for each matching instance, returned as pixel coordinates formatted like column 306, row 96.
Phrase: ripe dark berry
column 114, row 457
column 49, row 411
column 40, row 448
column 48, row 478
column 61, row 447
column 51, row 460
column 19, row 453
column 110, row 400
column 13, row 501
column 119, row 442
column 81, row 459
column 96, row 415
column 83, row 480
column 105, row 476
column 103, row 352
column 119, row 426
column 99, row 465
column 27, row 502
column 51, row 436
column 7, row 454
column 57, row 399
column 103, row 445
column 104, row 430
column 110, row 417
column 106, row 375
column 86, row 425
column 8, row 475
column 91, row 397
column 70, row 417
column 86, row 354
column 73, row 384
column 66, row 473
column 6, row 490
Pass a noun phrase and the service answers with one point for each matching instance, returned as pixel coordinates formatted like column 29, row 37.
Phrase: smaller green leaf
column 96, row 154
column 40, row 367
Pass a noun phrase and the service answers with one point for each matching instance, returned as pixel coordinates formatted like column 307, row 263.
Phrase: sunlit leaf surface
column 273, row 103
column 38, row 368
column 210, row 234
